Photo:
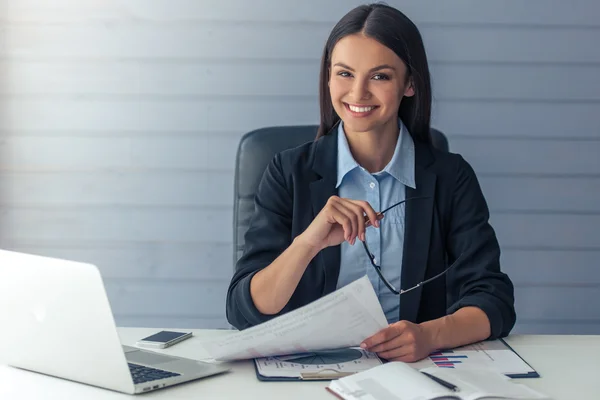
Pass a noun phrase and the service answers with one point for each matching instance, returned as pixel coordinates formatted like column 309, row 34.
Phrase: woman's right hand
column 340, row 220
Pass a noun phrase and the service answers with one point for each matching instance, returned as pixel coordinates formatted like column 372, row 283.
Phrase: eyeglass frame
column 391, row 287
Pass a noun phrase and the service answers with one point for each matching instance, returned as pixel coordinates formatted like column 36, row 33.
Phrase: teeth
column 360, row 109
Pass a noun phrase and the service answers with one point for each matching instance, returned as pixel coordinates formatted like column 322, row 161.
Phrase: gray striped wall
column 119, row 121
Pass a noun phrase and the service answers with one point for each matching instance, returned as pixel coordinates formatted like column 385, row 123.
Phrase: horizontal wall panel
column 421, row 11
column 542, row 194
column 504, row 156
column 61, row 153
column 515, row 82
column 546, row 327
column 118, row 188
column 141, row 260
column 48, row 115
column 211, row 152
column 510, row 44
column 514, row 119
column 557, row 303
column 224, row 39
column 112, row 116
column 547, row 230
column 65, row 153
column 172, row 321
column 160, row 78
column 551, row 267
column 450, row 82
column 164, row 297
column 115, row 224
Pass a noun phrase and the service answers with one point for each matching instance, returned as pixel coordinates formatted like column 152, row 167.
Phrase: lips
column 360, row 110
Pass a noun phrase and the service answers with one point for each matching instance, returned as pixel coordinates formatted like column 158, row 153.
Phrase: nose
column 360, row 90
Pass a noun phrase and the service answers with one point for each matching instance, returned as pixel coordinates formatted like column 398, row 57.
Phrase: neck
column 373, row 150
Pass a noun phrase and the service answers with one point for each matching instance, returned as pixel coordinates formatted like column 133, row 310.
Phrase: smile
column 360, row 111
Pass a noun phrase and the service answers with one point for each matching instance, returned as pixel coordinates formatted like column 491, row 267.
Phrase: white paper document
column 327, row 363
column 490, row 354
column 341, row 319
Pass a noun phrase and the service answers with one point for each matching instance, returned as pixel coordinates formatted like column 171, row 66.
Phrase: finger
column 368, row 220
column 344, row 218
column 343, row 207
column 337, row 217
column 401, row 340
column 358, row 211
column 398, row 353
column 380, row 337
column 371, row 216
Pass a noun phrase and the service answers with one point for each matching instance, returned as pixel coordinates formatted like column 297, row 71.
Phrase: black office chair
column 256, row 149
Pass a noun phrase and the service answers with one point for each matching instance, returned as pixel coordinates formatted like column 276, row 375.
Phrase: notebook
column 399, row 381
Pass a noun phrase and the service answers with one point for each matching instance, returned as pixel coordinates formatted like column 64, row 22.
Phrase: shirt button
column 372, row 185
column 375, row 260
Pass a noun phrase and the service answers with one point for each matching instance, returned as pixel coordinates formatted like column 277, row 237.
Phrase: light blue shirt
column 381, row 189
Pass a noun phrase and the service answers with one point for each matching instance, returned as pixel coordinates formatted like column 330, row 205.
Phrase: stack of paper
column 341, row 319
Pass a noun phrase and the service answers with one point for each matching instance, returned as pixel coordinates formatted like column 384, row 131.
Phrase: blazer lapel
column 419, row 215
column 325, row 166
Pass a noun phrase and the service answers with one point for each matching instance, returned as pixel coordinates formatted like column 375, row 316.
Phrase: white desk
column 569, row 366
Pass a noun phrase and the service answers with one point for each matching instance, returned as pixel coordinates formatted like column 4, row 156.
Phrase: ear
column 409, row 91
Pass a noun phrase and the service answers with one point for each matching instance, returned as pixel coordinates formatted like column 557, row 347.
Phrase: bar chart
column 447, row 359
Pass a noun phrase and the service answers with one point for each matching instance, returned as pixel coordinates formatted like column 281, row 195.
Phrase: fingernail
column 363, row 346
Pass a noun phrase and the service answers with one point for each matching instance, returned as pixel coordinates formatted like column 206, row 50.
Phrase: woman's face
column 367, row 82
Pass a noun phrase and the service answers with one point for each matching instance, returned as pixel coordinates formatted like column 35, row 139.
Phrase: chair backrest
column 256, row 149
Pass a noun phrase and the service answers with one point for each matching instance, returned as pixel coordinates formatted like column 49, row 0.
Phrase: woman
column 373, row 151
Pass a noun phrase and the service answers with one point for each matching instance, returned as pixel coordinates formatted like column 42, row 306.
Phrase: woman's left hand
column 401, row 341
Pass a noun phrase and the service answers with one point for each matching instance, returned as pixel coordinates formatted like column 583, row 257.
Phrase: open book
column 399, row 381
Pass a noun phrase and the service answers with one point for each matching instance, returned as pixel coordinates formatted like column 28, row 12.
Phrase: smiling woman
column 381, row 44
column 431, row 255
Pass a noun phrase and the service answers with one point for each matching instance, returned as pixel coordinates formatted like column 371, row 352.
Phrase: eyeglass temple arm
column 433, row 277
column 368, row 221
column 403, row 201
column 378, row 270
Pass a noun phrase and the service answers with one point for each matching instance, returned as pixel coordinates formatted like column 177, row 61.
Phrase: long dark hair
column 396, row 31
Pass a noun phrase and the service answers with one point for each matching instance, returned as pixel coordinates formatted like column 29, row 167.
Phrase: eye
column 344, row 74
column 381, row 77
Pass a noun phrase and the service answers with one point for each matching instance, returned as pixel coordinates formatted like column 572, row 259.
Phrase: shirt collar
column 401, row 166
column 345, row 161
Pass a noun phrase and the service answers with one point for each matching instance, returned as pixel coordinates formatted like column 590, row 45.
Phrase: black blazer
column 454, row 220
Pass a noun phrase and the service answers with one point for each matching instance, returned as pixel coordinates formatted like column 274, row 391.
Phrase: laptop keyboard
column 143, row 374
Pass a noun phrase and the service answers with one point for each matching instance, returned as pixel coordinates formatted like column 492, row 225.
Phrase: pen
column 442, row 382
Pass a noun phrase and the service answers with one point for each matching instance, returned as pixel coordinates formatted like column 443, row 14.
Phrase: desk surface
column 568, row 366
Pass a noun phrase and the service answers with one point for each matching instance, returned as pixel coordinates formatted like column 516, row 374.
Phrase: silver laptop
column 55, row 319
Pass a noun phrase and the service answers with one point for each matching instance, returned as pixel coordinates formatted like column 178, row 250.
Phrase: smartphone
column 163, row 339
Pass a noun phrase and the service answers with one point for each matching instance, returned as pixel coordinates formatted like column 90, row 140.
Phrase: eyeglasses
column 378, row 268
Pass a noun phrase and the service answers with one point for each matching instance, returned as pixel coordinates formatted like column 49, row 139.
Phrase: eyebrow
column 380, row 67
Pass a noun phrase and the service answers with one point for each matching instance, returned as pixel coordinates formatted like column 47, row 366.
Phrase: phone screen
column 163, row 336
